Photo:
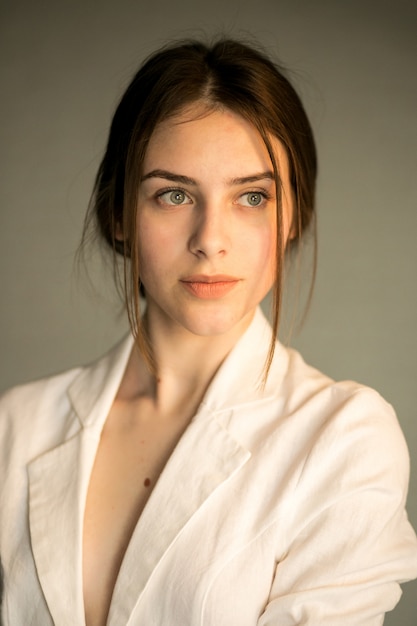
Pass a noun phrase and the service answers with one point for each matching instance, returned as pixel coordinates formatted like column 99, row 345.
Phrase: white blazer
column 278, row 507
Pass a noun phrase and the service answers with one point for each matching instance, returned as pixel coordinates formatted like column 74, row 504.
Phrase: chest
column 130, row 457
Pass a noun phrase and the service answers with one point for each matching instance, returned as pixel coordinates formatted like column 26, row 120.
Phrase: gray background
column 63, row 67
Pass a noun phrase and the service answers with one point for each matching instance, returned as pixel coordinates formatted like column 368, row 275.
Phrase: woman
column 200, row 473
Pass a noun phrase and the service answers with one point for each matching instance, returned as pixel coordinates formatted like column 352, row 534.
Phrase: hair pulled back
column 226, row 74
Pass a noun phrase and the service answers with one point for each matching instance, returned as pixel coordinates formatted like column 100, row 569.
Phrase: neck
column 186, row 364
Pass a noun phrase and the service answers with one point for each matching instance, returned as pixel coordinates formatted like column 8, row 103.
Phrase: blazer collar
column 93, row 391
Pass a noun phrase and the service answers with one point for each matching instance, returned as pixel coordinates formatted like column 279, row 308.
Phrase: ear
column 119, row 240
column 118, row 233
column 293, row 234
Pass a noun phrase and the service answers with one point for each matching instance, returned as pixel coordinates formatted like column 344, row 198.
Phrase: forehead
column 218, row 138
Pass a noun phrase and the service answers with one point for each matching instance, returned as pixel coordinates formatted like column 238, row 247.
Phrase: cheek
column 267, row 256
column 270, row 262
column 158, row 246
column 258, row 256
column 267, row 245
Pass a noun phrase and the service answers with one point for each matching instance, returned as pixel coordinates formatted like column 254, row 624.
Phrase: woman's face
column 207, row 221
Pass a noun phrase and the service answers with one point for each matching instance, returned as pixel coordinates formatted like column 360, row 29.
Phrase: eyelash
column 170, row 190
column 257, row 192
column 266, row 196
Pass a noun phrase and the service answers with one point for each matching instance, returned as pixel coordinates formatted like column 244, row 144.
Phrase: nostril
column 209, row 239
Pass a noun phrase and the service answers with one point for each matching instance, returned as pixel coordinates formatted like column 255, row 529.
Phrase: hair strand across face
column 226, row 74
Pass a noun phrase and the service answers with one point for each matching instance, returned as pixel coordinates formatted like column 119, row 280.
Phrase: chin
column 217, row 322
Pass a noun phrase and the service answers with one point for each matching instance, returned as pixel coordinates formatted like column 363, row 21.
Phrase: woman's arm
column 352, row 543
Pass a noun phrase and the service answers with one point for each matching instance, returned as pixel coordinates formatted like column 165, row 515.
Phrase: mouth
column 209, row 287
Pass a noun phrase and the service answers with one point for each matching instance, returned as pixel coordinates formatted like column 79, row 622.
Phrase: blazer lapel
column 203, row 459
column 55, row 515
column 58, row 482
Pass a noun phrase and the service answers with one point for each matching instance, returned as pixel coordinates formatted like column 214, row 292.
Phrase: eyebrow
column 186, row 180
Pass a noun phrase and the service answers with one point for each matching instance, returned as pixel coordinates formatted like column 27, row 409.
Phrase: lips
column 209, row 287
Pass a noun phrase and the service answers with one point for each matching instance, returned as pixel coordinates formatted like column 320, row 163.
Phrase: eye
column 174, row 197
column 253, row 198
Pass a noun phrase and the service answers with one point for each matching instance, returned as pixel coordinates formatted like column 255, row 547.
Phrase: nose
column 210, row 234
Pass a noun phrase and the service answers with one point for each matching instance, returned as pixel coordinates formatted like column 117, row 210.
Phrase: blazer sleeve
column 350, row 541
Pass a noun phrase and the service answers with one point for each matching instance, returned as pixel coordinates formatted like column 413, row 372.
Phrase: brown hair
column 226, row 74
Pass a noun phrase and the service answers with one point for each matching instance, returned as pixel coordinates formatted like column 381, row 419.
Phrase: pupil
column 254, row 199
column 177, row 197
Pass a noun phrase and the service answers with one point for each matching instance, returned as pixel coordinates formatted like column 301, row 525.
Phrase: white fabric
column 278, row 507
